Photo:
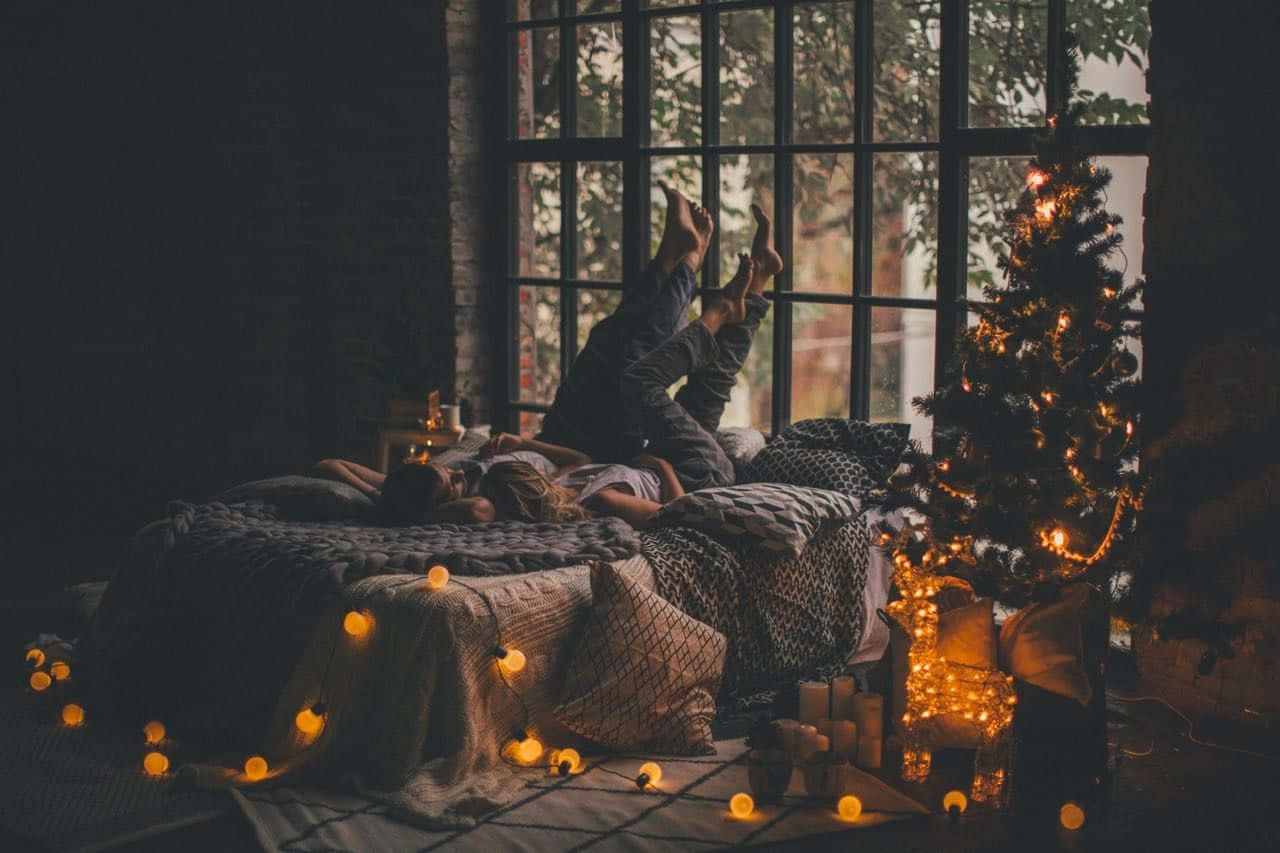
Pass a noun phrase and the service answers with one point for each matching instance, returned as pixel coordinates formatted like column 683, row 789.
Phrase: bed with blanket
column 228, row 619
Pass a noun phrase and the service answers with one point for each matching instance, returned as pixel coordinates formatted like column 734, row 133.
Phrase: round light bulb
column 741, row 805
column 153, row 732
column 40, row 681
column 60, row 670
column 849, row 807
column 155, row 763
column 73, row 714
column 356, row 624
column 1059, row 538
column 651, row 772
column 529, row 750
column 955, row 800
column 512, row 661
column 35, row 657
column 437, row 577
column 255, row 768
column 1071, row 816
column 308, row 721
column 567, row 761
column 1128, row 427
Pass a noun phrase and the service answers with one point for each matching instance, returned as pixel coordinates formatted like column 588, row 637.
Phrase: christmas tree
column 1034, row 482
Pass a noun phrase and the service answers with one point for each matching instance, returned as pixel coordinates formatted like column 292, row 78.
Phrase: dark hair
column 520, row 492
column 408, row 494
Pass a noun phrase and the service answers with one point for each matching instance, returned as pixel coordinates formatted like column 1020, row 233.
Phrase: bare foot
column 768, row 263
column 704, row 225
column 680, row 236
column 730, row 305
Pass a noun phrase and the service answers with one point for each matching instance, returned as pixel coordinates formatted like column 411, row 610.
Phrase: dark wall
column 233, row 248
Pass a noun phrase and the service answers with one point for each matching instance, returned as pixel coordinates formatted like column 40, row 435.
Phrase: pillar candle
column 842, row 697
column 814, row 696
column 843, row 735
column 868, row 713
column 869, row 751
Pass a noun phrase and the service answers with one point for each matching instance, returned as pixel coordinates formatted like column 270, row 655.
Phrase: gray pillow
column 878, row 447
column 822, row 469
column 740, row 444
column 775, row 517
column 303, row 498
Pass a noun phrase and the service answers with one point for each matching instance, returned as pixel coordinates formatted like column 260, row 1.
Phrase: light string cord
column 1190, row 733
column 497, row 644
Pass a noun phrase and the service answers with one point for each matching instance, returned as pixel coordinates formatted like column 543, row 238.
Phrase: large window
column 886, row 137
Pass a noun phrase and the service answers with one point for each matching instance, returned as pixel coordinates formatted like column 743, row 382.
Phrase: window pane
column 599, row 230
column 536, row 87
column 821, row 355
column 590, row 7
column 1008, row 43
column 822, row 229
column 995, row 184
column 904, row 225
column 538, row 219
column 600, row 79
column 1114, row 39
column 675, row 80
column 683, row 173
column 746, row 77
column 527, row 10
column 653, row 4
column 594, row 306
column 744, row 178
column 908, row 37
column 751, row 400
column 823, row 65
column 530, row 423
column 902, row 366
column 539, row 343
column 1124, row 198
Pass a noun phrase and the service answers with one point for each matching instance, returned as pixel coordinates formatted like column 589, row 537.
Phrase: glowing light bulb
column 944, row 465
column 310, row 721
column 1036, row 179
column 741, row 805
column 155, row 763
column 954, row 800
column 650, row 774
column 437, row 577
column 153, row 732
column 1059, row 538
column 255, row 768
column 965, row 384
column 40, row 681
column 356, row 624
column 1047, row 396
column 849, row 807
column 1045, row 209
column 1128, row 428
column 510, row 661
column 60, row 670
column 73, row 714
column 1064, row 323
column 1071, row 816
column 529, row 750
column 1108, row 293
column 567, row 761
column 35, row 657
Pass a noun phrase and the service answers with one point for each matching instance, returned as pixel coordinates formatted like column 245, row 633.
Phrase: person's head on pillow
column 414, row 493
column 520, row 492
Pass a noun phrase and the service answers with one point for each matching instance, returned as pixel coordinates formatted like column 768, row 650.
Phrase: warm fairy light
column 35, row 657
column 510, row 661
column 983, row 698
column 40, row 681
column 567, row 761
column 1069, row 453
column 155, row 763
column 1110, row 228
column 650, row 774
column 1103, row 410
column 73, row 714
column 1128, row 427
column 965, row 384
column 1053, row 120
column 955, row 800
column 310, row 720
column 1071, row 816
column 849, row 807
column 741, row 805
column 1058, row 537
column 1083, row 561
column 1047, row 396
column 356, row 624
column 944, row 465
column 255, row 768
column 437, row 577
column 1045, row 208
column 153, row 732
column 1036, row 179
column 1108, row 293
column 1064, row 322
column 529, row 750
column 1000, row 348
column 60, row 670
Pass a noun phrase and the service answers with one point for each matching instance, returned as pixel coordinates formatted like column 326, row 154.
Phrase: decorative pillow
column 822, row 469
column 878, row 446
column 1043, row 644
column 967, row 634
column 644, row 675
column 303, row 498
column 773, row 516
column 740, row 444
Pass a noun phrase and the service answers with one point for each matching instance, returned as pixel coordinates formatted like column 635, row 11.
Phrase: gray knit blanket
column 209, row 616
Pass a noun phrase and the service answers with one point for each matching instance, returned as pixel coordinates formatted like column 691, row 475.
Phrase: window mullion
column 635, row 133
column 1055, row 85
column 863, row 107
column 783, row 211
column 710, row 32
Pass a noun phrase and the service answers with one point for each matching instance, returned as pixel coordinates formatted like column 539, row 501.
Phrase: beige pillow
column 644, row 675
column 967, row 634
column 1043, row 644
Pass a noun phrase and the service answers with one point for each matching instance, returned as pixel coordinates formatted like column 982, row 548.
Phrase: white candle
column 842, row 697
column 869, row 751
column 814, row 696
column 843, row 735
column 868, row 713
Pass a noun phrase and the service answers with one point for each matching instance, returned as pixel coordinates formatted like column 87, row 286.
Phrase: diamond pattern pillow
column 877, row 446
column 821, row 469
column 644, row 675
column 776, row 517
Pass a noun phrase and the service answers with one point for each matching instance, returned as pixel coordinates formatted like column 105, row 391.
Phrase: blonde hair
column 520, row 492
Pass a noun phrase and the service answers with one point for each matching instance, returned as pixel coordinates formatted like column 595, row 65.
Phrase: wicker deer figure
column 935, row 686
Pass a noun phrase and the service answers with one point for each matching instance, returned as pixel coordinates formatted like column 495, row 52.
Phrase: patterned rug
column 600, row 809
column 71, row 789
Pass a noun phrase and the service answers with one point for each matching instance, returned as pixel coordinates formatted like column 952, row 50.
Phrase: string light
column 1128, row 427
column 35, row 657
column 60, row 670
column 73, row 714
column 528, row 750
column 437, row 577
column 1045, row 209
column 1036, row 179
column 650, row 774
column 310, row 721
column 510, row 661
column 1049, row 540
column 153, row 732
column 1108, row 293
column 356, row 624
column 849, row 807
column 155, row 763
column 1064, row 322
column 954, row 804
column 255, row 768
column 741, row 805
column 965, row 384
column 1058, row 537
column 944, row 465
column 1047, row 396
column 1071, row 816
column 567, row 761
column 40, row 681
